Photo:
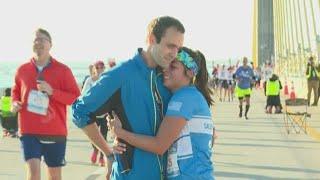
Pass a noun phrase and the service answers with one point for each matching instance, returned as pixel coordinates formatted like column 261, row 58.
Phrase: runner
column 244, row 76
column 42, row 90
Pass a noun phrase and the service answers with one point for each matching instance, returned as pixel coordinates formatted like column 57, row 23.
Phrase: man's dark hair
column 45, row 32
column 158, row 26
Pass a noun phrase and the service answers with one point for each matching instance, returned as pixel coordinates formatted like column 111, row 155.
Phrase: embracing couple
column 162, row 98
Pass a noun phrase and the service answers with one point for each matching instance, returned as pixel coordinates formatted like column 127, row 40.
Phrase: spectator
column 313, row 75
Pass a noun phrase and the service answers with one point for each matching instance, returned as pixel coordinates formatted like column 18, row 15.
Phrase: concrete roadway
column 258, row 148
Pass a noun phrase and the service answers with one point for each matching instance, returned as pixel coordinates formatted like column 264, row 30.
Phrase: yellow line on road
column 309, row 130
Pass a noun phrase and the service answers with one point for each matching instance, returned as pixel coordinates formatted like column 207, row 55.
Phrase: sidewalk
column 260, row 148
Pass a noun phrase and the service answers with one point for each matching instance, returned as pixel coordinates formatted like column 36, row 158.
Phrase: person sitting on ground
column 273, row 87
column 8, row 119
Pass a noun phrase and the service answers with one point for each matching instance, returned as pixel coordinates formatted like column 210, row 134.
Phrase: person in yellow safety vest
column 313, row 76
column 273, row 87
column 8, row 119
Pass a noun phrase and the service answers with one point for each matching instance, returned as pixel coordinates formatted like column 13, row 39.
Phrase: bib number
column 172, row 166
column 38, row 102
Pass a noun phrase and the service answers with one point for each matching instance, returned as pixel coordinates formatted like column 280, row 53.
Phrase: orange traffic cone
column 292, row 93
column 286, row 89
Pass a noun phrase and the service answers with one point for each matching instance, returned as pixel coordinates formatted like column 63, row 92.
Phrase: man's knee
column 54, row 173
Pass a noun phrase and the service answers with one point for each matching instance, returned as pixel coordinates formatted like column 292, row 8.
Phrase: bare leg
column 54, row 173
column 33, row 169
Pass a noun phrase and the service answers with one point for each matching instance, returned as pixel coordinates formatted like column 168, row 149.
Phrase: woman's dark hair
column 202, row 77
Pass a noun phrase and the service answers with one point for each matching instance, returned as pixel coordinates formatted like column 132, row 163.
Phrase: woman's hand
column 114, row 125
column 118, row 147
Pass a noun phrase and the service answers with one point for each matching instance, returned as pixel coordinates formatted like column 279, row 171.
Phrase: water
column 8, row 70
column 79, row 70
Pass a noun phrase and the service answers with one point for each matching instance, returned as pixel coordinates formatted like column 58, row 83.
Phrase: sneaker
column 246, row 117
column 240, row 114
column 94, row 156
column 102, row 162
column 13, row 135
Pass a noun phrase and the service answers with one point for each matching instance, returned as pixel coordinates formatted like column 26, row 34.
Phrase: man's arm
column 70, row 91
column 96, row 138
column 16, row 104
column 16, row 92
column 85, row 107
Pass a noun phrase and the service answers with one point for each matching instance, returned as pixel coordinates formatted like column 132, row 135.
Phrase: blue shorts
column 53, row 153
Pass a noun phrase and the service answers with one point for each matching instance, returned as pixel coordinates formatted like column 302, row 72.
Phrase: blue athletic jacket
column 130, row 87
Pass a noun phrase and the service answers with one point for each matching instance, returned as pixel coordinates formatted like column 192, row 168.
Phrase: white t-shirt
column 87, row 85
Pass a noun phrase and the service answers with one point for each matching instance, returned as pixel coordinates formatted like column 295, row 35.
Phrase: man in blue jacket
column 134, row 90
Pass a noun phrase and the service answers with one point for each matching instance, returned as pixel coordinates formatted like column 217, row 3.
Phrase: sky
column 87, row 30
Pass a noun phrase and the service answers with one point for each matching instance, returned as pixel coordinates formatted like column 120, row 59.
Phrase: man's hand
column 44, row 87
column 16, row 106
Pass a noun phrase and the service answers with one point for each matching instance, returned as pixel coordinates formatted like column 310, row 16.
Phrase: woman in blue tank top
column 187, row 130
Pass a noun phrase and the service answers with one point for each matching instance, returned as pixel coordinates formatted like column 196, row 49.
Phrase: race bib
column 172, row 165
column 38, row 102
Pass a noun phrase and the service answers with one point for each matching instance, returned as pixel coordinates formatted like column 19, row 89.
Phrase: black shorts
column 225, row 84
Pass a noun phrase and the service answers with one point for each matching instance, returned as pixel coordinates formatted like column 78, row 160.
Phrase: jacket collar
column 138, row 58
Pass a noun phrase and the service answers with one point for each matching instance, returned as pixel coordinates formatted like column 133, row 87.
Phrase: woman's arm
column 169, row 131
